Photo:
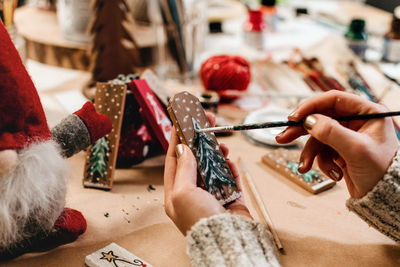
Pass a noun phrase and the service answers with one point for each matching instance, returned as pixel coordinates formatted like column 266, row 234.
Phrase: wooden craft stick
column 260, row 204
column 8, row 8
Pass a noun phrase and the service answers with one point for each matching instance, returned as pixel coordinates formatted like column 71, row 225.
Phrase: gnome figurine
column 33, row 168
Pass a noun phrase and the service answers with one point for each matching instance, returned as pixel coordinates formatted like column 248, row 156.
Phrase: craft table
column 315, row 230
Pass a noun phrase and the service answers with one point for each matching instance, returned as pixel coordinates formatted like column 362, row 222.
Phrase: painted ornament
column 187, row 114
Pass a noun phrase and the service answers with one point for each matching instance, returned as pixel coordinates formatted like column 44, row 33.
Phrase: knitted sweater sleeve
column 230, row 240
column 380, row 208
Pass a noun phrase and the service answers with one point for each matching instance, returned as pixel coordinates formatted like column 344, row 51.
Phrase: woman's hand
column 359, row 150
column 185, row 202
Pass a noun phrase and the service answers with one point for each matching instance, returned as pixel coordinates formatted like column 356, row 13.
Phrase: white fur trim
column 33, row 195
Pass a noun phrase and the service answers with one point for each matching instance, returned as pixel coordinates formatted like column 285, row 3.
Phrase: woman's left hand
column 185, row 202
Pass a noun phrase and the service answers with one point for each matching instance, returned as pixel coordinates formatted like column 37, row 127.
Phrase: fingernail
column 281, row 133
column 309, row 122
column 301, row 164
column 293, row 114
column 179, row 150
column 334, row 175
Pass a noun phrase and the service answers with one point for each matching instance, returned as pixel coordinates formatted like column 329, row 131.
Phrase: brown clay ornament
column 187, row 114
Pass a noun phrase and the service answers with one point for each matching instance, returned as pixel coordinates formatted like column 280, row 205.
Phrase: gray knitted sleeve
column 72, row 135
column 230, row 240
column 380, row 208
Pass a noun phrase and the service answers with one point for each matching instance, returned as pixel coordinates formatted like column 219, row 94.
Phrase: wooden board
column 284, row 161
column 114, row 255
column 102, row 155
column 187, row 114
column 152, row 111
column 157, row 86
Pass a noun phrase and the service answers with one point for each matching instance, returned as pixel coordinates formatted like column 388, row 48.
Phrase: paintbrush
column 263, row 125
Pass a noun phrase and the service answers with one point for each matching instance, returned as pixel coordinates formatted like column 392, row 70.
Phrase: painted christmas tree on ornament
column 284, row 161
column 216, row 175
column 97, row 164
column 187, row 114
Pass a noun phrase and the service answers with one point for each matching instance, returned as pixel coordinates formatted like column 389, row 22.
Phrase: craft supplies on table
column 180, row 29
column 391, row 48
column 223, row 73
column 270, row 14
column 356, row 37
column 209, row 100
column 266, row 136
column 253, row 30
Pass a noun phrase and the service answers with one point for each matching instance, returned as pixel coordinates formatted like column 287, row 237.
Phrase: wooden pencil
column 260, row 204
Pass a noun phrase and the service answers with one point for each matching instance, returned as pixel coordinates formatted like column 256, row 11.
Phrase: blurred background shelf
column 44, row 41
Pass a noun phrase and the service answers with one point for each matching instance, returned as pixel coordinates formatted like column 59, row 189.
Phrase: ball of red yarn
column 225, row 72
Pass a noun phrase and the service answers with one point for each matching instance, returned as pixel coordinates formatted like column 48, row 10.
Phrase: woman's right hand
column 359, row 150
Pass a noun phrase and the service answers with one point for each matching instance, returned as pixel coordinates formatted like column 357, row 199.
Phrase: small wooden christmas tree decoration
column 102, row 156
column 114, row 50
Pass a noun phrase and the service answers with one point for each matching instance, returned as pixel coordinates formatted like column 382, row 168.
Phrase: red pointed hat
column 22, row 119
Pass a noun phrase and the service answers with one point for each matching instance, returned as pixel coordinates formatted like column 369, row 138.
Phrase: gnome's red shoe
column 71, row 223
column 68, row 227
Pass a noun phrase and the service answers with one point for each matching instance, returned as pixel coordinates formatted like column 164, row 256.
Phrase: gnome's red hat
column 22, row 119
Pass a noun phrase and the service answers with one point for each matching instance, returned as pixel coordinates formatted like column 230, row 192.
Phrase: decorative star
column 108, row 256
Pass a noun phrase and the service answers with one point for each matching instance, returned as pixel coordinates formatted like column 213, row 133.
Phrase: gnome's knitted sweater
column 232, row 240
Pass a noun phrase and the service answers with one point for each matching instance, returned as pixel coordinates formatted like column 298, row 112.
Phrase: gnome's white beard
column 33, row 195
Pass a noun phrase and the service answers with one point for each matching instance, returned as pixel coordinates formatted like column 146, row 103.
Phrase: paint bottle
column 269, row 11
column 254, row 30
column 391, row 48
column 356, row 37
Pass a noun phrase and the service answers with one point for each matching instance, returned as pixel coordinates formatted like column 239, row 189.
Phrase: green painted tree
column 211, row 164
column 309, row 176
column 98, row 160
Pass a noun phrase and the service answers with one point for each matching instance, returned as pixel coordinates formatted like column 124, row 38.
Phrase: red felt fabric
column 98, row 124
column 22, row 119
column 72, row 222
